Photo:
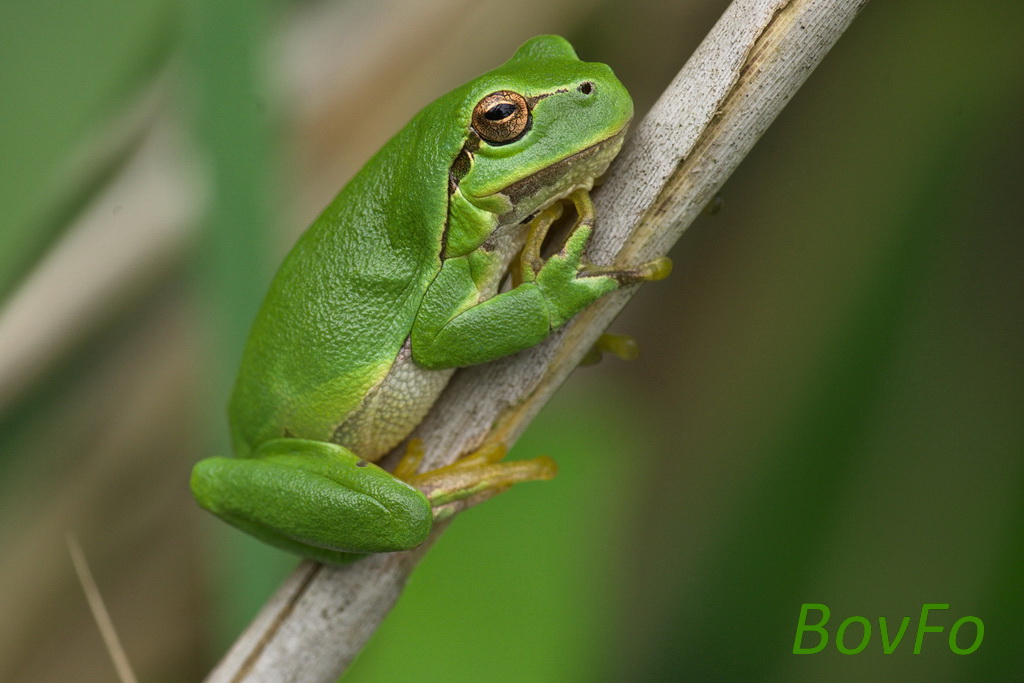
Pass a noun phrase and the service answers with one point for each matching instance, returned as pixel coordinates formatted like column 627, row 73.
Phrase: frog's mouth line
column 581, row 166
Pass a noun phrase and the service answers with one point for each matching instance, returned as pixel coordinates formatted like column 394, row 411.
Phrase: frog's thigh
column 308, row 495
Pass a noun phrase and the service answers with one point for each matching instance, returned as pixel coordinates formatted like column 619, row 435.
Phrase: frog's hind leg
column 472, row 479
column 314, row 498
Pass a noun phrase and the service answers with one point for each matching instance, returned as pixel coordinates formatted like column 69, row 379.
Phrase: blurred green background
column 829, row 406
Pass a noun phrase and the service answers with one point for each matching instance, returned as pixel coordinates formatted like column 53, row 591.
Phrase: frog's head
column 538, row 127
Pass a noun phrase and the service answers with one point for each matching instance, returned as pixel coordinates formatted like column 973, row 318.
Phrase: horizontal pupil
column 500, row 111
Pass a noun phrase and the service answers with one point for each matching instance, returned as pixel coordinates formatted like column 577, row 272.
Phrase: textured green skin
column 394, row 258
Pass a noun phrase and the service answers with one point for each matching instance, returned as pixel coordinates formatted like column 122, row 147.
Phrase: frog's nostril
column 586, row 87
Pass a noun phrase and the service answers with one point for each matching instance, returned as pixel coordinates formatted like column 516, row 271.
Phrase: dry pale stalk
column 738, row 80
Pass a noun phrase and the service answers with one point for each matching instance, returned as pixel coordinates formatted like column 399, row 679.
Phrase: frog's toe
column 620, row 345
column 650, row 271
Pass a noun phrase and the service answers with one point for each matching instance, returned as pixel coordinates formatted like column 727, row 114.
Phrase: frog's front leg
column 458, row 324
column 314, row 498
column 569, row 282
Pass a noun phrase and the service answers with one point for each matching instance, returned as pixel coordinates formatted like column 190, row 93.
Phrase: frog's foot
column 574, row 252
column 472, row 479
column 621, row 345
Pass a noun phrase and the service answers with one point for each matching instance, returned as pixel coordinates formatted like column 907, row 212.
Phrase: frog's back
column 342, row 304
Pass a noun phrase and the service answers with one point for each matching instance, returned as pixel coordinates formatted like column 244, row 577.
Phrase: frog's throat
column 560, row 178
column 539, row 189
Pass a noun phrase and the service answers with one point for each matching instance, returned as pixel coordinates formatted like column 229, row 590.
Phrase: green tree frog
column 395, row 285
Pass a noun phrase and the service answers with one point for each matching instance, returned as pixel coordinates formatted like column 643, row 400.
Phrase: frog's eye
column 501, row 117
